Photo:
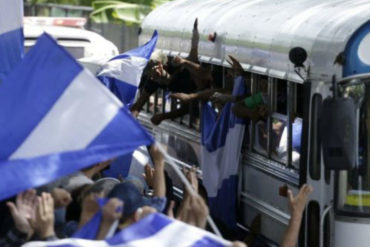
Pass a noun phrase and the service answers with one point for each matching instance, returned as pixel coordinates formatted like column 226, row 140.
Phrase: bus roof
column 260, row 33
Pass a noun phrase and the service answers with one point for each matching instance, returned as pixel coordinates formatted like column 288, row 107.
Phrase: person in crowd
column 33, row 218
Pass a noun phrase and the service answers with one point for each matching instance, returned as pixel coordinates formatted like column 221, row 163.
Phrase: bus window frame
column 291, row 107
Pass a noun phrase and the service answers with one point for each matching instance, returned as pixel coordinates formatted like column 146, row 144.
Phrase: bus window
column 278, row 136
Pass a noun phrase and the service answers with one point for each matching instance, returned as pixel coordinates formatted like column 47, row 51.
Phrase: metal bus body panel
column 261, row 32
column 260, row 196
column 352, row 232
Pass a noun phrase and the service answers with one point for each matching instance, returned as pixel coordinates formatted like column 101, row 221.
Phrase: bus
column 327, row 93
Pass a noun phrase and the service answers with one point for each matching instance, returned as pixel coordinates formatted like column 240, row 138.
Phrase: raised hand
column 157, row 156
column 191, row 175
column 178, row 60
column 149, row 175
column 297, row 203
column 23, row 210
column 194, row 211
column 43, row 223
column 112, row 210
column 62, row 198
column 235, row 64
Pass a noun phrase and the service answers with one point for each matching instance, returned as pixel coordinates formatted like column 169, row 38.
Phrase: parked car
column 89, row 48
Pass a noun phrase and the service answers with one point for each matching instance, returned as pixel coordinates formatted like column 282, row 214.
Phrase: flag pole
column 187, row 185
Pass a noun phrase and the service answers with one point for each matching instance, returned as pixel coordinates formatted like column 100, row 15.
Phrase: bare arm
column 158, row 118
column 159, row 184
column 202, row 95
column 297, row 205
column 193, row 55
column 140, row 102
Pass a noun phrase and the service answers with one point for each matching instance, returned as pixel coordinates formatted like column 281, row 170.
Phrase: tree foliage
column 125, row 11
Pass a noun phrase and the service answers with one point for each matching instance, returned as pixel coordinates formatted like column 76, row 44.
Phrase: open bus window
column 278, row 135
column 354, row 185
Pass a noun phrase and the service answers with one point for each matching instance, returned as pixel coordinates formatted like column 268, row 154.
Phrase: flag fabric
column 155, row 230
column 122, row 74
column 222, row 139
column 57, row 118
column 11, row 35
column 129, row 164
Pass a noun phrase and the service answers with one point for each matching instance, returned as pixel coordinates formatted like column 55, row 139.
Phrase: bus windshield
column 354, row 185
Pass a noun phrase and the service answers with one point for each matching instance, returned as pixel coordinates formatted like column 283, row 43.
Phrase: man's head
column 133, row 200
column 158, row 57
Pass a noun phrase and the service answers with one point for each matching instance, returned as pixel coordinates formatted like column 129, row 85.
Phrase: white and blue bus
column 328, row 94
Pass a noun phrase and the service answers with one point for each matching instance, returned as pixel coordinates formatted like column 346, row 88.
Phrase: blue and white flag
column 11, row 35
column 129, row 164
column 155, row 230
column 122, row 74
column 222, row 139
column 57, row 118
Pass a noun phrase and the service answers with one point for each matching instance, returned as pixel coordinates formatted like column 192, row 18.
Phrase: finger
column 233, row 58
column 12, row 208
column 34, row 202
column 147, row 168
column 307, row 190
column 50, row 203
column 43, row 204
column 27, row 196
column 290, row 195
column 196, row 23
column 302, row 189
column 20, row 198
column 170, row 209
column 39, row 208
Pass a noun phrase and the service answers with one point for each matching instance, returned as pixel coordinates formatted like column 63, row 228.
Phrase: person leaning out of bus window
column 253, row 107
column 218, row 95
column 163, row 73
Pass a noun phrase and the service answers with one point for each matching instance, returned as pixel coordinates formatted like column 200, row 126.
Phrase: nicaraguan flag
column 155, row 230
column 129, row 164
column 222, row 139
column 57, row 118
column 11, row 35
column 122, row 74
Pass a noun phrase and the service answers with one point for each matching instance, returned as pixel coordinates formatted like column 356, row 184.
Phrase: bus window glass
column 280, row 97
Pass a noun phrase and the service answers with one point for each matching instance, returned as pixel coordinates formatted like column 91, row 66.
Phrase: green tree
column 128, row 12
column 124, row 11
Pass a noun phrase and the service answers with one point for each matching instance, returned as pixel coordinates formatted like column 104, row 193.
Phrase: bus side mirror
column 338, row 132
column 297, row 56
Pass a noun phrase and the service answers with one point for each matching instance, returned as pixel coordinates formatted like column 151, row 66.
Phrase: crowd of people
column 65, row 207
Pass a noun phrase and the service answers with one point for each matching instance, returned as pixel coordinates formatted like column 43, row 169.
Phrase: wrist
column 47, row 234
column 107, row 222
column 296, row 216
